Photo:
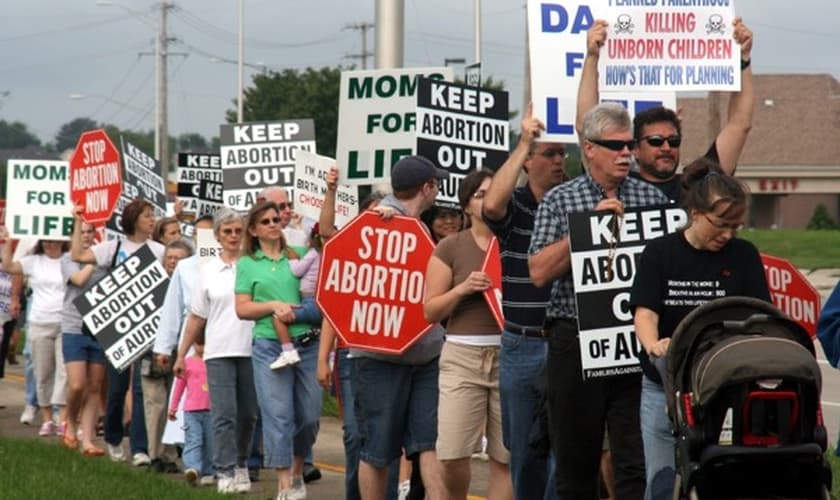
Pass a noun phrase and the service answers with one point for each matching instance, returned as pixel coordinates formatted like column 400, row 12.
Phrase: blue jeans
column 118, row 384
column 521, row 363
column 308, row 312
column 198, row 442
column 233, row 410
column 659, row 442
column 29, row 374
column 289, row 401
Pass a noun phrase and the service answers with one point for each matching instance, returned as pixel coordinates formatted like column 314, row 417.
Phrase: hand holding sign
column 531, row 127
column 744, row 37
column 595, row 37
column 477, row 281
column 493, row 295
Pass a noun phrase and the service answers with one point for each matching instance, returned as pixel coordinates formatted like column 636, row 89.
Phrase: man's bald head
column 280, row 197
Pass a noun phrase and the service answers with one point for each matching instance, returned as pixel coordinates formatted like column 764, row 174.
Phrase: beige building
column 791, row 161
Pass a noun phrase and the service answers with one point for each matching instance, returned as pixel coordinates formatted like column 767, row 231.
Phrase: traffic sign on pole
column 95, row 176
column 371, row 282
column 792, row 293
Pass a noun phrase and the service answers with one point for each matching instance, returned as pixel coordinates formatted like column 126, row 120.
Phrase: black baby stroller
column 743, row 391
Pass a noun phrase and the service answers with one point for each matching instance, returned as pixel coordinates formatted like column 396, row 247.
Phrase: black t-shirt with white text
column 673, row 278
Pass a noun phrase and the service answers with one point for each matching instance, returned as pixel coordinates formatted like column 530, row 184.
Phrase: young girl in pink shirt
column 198, row 429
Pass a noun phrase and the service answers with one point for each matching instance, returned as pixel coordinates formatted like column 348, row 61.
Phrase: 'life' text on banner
column 376, row 121
column 557, row 41
column 122, row 310
column 666, row 45
column 192, row 168
column 605, row 251
column 261, row 154
column 311, row 188
column 460, row 129
column 38, row 195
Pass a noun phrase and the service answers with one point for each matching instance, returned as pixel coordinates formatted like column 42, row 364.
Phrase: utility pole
column 390, row 33
column 161, row 119
column 362, row 27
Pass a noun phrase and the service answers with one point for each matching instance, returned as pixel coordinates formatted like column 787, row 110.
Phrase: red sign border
column 99, row 221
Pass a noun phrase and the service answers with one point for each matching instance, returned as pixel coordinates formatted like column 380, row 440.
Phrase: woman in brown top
column 468, row 404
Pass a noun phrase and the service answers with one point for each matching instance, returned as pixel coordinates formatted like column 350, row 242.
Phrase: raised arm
column 496, row 199
column 732, row 137
column 588, row 89
column 326, row 221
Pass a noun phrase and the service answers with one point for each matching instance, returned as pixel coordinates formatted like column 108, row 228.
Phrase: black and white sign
column 605, row 252
column 192, row 168
column 460, row 129
column 122, row 310
column 141, row 179
column 257, row 155
column 210, row 196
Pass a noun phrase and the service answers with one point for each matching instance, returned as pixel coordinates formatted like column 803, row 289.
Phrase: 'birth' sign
column 122, row 310
column 370, row 285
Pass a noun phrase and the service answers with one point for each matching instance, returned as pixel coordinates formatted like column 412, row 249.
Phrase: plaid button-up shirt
column 580, row 194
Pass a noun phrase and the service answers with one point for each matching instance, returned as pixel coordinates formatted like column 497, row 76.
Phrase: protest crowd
column 241, row 349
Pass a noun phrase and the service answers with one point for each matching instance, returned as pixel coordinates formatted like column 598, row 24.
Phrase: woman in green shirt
column 289, row 399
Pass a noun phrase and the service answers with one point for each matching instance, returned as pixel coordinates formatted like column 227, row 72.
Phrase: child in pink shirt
column 198, row 428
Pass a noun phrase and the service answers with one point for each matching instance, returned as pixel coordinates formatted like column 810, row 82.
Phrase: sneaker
column 115, row 451
column 286, row 358
column 241, row 481
column 59, row 429
column 207, row 480
column 310, row 473
column 191, row 475
column 282, row 495
column 225, row 485
column 47, row 429
column 140, row 459
column 403, row 490
column 28, row 415
column 298, row 489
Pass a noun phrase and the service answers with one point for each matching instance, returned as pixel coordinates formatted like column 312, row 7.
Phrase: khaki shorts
column 468, row 404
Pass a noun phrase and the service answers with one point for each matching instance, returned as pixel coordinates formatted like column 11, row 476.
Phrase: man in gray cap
column 397, row 396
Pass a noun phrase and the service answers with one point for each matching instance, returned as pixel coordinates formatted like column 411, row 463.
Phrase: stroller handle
column 743, row 325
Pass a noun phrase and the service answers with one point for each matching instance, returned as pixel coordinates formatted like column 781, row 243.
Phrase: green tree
column 69, row 133
column 289, row 94
column 15, row 135
column 821, row 219
column 191, row 141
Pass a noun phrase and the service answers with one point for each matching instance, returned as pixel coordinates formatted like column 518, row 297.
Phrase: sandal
column 93, row 451
column 68, row 440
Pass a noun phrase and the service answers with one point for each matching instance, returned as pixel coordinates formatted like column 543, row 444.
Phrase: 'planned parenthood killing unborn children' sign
column 192, row 168
column 460, row 129
column 557, row 42
column 605, row 252
column 38, row 197
column 667, row 45
column 122, row 310
column 376, row 121
column 258, row 155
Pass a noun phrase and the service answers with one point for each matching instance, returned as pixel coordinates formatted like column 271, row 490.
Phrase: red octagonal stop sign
column 792, row 293
column 370, row 286
column 95, row 176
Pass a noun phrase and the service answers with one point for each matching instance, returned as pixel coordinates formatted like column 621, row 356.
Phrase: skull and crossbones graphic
column 624, row 24
column 715, row 24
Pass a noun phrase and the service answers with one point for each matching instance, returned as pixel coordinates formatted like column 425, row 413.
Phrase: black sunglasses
column 283, row 205
column 656, row 141
column 615, row 144
column 272, row 220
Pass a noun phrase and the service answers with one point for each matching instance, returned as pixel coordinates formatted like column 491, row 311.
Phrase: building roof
column 796, row 122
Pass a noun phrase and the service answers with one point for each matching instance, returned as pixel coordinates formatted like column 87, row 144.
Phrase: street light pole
column 477, row 27
column 162, row 150
column 240, row 65
column 389, row 29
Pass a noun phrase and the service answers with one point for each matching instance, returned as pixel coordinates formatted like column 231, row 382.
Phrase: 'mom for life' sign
column 122, row 310
column 38, row 200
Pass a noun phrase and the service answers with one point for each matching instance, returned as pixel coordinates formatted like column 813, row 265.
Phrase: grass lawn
column 834, row 460
column 34, row 469
column 806, row 249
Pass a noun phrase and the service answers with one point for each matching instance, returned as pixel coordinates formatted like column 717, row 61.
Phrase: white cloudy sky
column 54, row 48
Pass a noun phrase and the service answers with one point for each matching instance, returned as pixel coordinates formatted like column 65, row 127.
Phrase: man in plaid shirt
column 577, row 408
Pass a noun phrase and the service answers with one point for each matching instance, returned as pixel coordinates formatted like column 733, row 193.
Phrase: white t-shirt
column 295, row 237
column 225, row 335
column 44, row 275
column 104, row 251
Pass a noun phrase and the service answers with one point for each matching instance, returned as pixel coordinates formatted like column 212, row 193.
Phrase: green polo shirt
column 265, row 279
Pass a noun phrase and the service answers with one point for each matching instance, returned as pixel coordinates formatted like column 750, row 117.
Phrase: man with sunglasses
column 280, row 197
column 658, row 130
column 578, row 409
column 509, row 212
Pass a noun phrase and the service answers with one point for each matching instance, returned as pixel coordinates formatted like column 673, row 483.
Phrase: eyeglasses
column 284, row 205
column 551, row 153
column 272, row 220
column 615, row 144
column 723, row 226
column 656, row 141
column 236, row 230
